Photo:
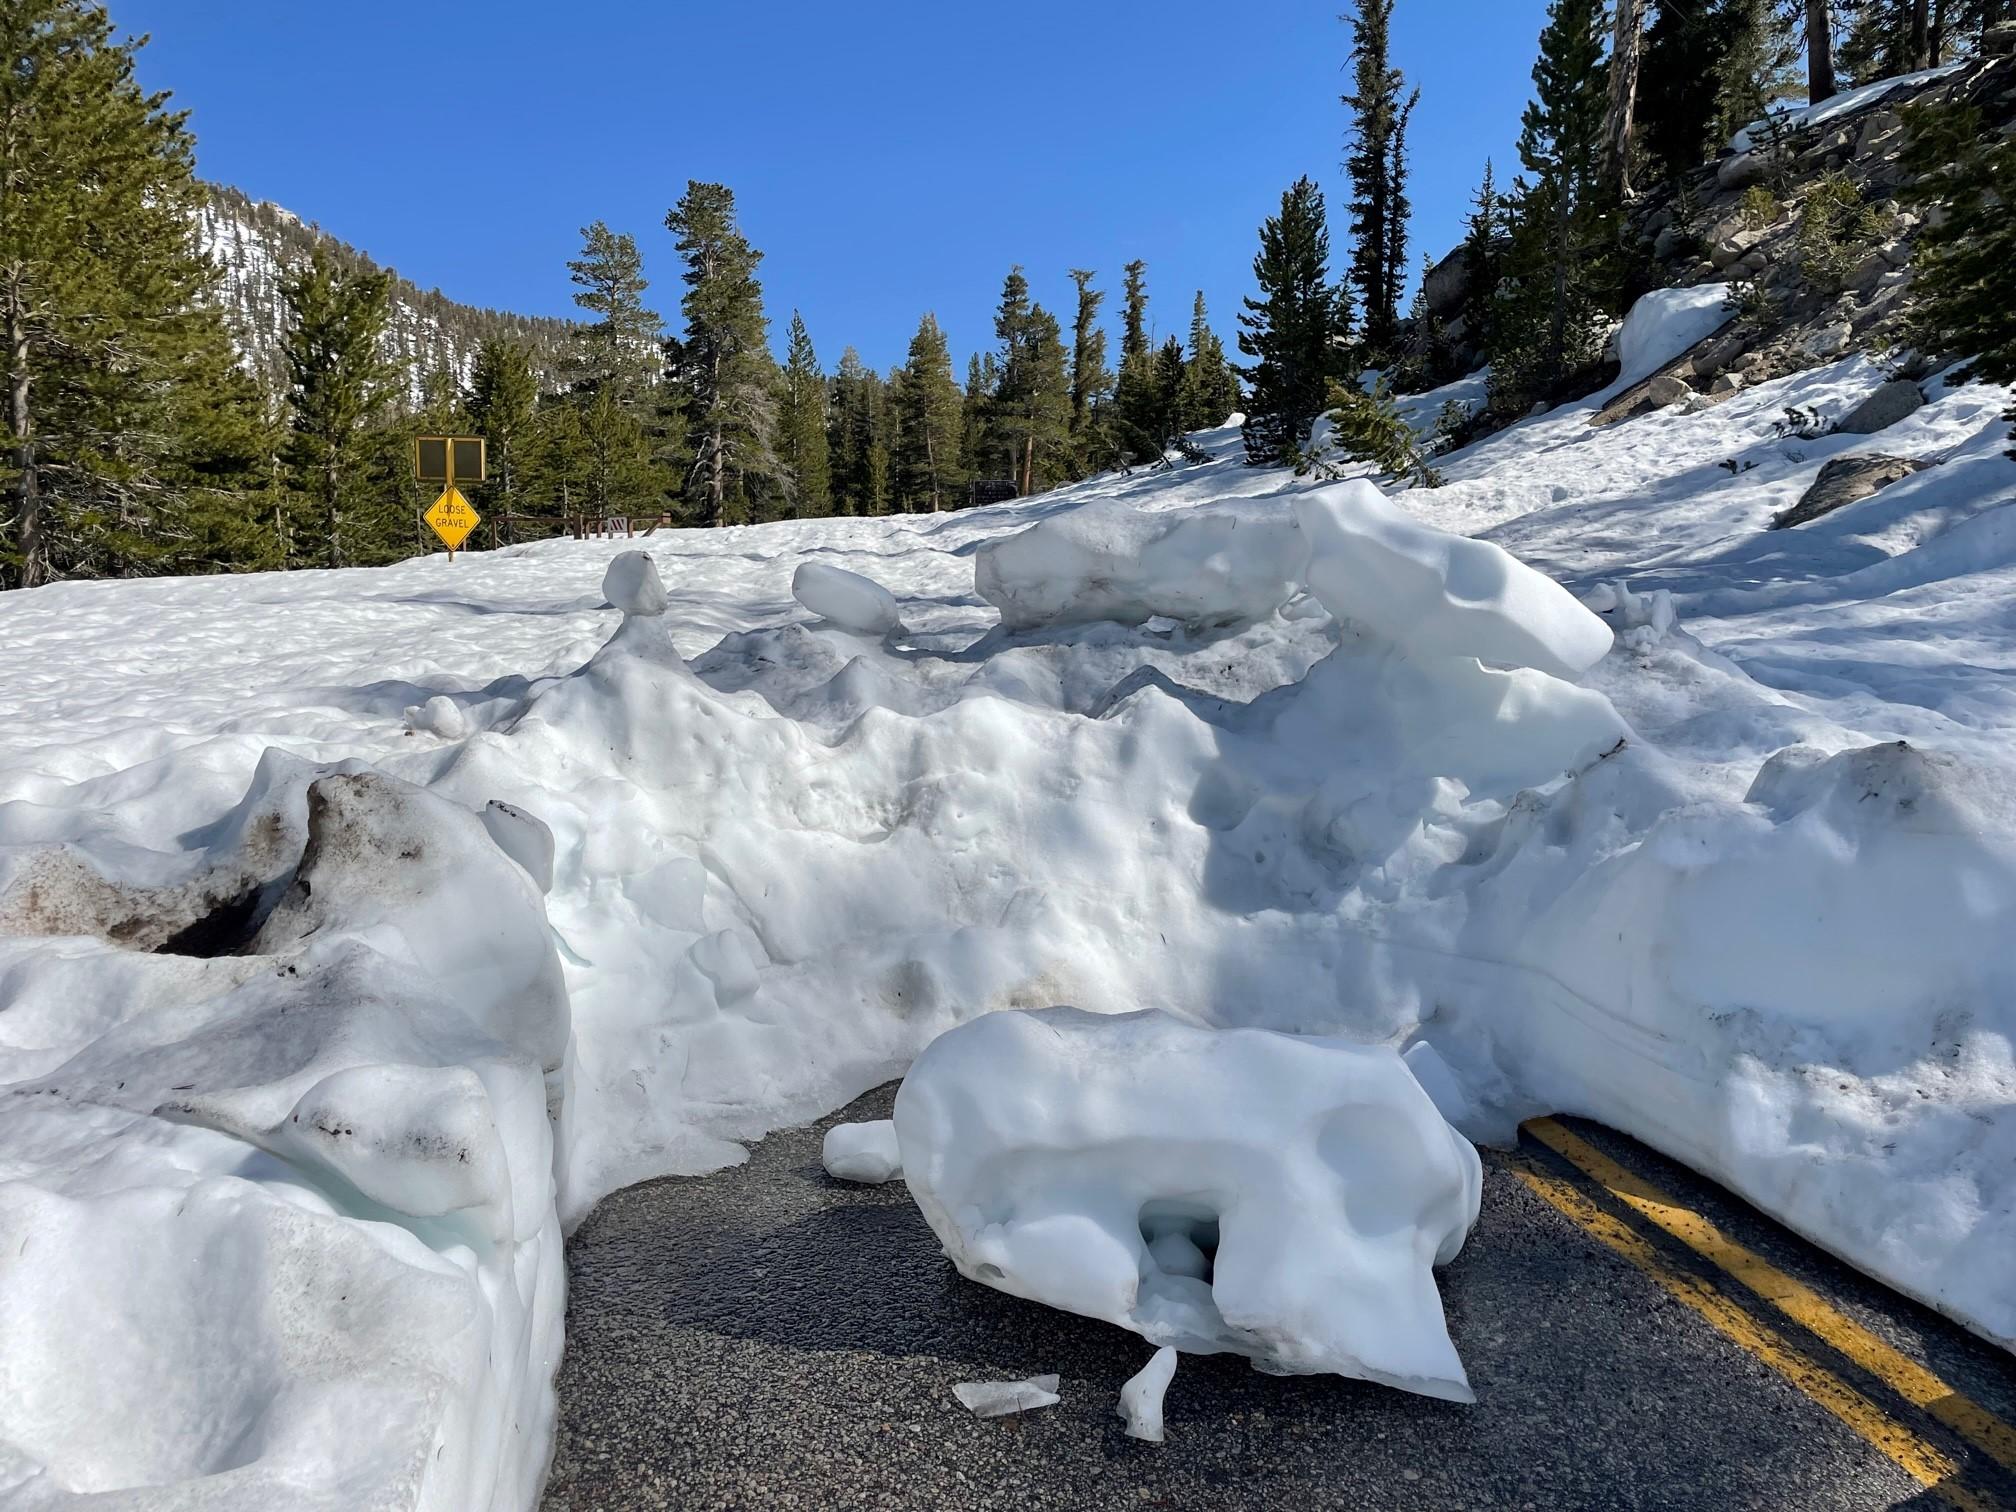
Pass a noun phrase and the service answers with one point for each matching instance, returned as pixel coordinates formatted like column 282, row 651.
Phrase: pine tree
column 1965, row 166
column 503, row 398
column 723, row 363
column 1029, row 413
column 801, row 424
column 1377, row 164
column 1482, row 256
column 925, row 423
column 1134, row 403
column 1819, row 51
column 1210, row 391
column 1295, row 331
column 1091, row 380
column 339, row 385
column 857, row 438
column 612, row 364
column 107, row 337
column 1757, row 68
column 981, row 374
column 1560, row 229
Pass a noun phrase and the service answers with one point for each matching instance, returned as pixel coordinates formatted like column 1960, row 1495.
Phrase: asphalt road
column 770, row 1338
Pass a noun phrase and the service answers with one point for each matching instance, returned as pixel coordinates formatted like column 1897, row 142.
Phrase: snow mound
column 632, row 584
column 864, row 1152
column 1215, row 566
column 286, row 1188
column 1663, row 324
column 847, row 599
column 1433, row 593
column 1303, row 1188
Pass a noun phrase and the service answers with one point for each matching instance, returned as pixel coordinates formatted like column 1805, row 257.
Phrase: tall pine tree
column 339, row 385
column 1091, row 380
column 503, row 398
column 925, row 422
column 858, row 443
column 1209, row 391
column 612, row 363
column 722, row 365
column 1295, row 332
column 1549, row 332
column 801, row 424
column 107, row 338
column 1377, row 164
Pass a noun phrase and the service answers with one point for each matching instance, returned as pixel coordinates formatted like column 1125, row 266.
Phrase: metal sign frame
column 449, row 460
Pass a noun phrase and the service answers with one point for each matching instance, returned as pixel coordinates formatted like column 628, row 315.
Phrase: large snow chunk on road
column 1433, row 593
column 847, row 599
column 1110, row 562
column 1277, row 1196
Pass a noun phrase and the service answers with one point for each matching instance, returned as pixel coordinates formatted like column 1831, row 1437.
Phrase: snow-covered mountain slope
column 1745, row 887
column 256, row 243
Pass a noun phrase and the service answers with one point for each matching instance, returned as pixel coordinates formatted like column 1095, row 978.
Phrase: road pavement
column 769, row 1338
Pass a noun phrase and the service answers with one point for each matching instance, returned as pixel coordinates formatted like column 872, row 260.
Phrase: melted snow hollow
column 358, row 929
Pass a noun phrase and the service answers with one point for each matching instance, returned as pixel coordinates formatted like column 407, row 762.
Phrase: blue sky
column 889, row 158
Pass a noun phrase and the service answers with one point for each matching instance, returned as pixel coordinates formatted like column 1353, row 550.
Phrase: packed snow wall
column 279, row 1133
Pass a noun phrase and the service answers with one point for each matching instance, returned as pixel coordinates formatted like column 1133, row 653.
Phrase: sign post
column 448, row 460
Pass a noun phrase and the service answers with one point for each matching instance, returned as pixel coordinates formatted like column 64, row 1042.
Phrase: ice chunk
column 864, row 1152
column 440, row 715
column 1217, row 566
column 847, row 599
column 1055, row 1153
column 631, row 584
column 989, row 1399
column 1141, row 1397
column 1432, row 593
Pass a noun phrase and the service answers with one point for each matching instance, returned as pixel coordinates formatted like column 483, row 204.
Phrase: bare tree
column 1819, row 51
column 1921, row 33
column 1625, row 47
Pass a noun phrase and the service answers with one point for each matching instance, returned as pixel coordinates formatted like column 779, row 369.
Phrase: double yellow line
column 1919, row 1458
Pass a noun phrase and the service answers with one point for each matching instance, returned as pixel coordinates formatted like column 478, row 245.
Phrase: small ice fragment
column 864, row 1152
column 1000, row 1398
column 632, row 584
column 1141, row 1397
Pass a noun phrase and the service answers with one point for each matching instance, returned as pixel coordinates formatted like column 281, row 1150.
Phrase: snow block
column 1110, row 562
column 1665, row 323
column 847, row 599
column 1436, row 594
column 864, row 1152
column 1277, row 1196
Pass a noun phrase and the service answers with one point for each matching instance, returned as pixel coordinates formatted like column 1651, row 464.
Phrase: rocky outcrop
column 1894, row 401
column 1845, row 480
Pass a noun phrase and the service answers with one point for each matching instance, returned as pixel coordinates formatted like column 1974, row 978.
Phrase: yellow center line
column 1925, row 1463
column 1795, row 1299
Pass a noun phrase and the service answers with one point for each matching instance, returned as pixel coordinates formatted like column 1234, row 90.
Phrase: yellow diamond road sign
column 452, row 517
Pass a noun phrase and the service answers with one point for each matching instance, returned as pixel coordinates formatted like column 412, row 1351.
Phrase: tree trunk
column 1819, row 51
column 1028, row 464
column 21, row 423
column 1921, row 34
column 332, row 501
column 1935, row 47
column 931, row 459
column 1624, row 53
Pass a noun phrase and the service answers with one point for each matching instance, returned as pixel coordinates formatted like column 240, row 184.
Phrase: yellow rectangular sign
column 452, row 517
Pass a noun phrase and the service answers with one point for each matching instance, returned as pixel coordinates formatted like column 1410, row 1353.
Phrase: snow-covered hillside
column 1254, row 754
column 256, row 243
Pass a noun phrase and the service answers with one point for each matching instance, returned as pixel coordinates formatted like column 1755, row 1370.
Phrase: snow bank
column 1663, row 324
column 1220, row 1191
column 1848, row 102
column 847, row 599
column 1219, row 566
column 278, row 1188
